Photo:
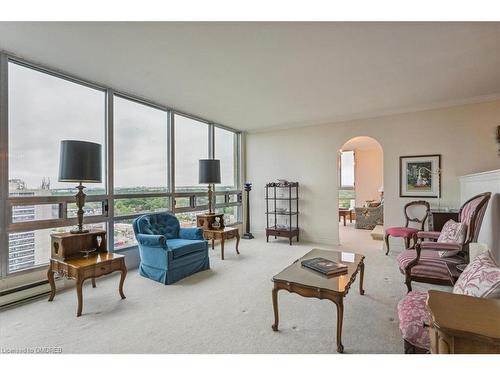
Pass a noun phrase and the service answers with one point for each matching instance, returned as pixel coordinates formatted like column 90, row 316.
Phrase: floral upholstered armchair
column 481, row 279
column 428, row 262
column 369, row 217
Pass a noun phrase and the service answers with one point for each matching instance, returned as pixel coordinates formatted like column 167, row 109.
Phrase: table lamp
column 80, row 161
column 209, row 173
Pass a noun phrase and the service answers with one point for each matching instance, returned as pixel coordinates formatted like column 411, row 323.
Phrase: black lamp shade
column 209, row 171
column 80, row 161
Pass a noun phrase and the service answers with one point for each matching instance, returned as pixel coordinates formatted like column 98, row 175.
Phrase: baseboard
column 23, row 294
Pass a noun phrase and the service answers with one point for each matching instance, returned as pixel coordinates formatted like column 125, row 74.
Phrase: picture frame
column 420, row 176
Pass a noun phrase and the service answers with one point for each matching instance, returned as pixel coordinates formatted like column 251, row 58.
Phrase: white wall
column 464, row 136
column 369, row 174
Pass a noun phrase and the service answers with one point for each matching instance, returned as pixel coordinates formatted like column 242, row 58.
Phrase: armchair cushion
column 452, row 232
column 401, row 232
column 481, row 278
column 428, row 234
column 181, row 247
column 191, row 233
column 412, row 314
column 430, row 264
column 151, row 240
column 444, row 249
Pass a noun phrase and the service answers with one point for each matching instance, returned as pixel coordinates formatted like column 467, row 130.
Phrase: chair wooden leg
column 387, row 244
column 407, row 243
column 411, row 349
column 408, row 282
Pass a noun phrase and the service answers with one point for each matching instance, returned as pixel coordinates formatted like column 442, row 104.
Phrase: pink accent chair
column 407, row 232
column 423, row 264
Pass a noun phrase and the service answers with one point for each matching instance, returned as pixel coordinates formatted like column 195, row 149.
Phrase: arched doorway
column 360, row 171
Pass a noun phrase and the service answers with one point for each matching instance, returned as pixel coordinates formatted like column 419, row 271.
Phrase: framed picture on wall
column 420, row 176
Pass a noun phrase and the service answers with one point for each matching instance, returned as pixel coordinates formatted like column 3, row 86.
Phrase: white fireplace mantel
column 477, row 183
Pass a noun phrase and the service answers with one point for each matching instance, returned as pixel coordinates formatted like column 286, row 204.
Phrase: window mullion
column 4, row 165
column 110, row 187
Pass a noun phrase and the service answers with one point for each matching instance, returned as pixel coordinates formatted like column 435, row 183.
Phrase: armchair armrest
column 440, row 246
column 195, row 233
column 429, row 235
column 152, row 240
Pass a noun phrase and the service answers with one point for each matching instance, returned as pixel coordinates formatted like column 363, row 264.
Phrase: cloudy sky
column 43, row 110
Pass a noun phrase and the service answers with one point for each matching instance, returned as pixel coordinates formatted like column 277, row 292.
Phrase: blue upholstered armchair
column 168, row 252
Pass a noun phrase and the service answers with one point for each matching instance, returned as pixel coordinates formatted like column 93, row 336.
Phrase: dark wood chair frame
column 472, row 234
column 411, row 219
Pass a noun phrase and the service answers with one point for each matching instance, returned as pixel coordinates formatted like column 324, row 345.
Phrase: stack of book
column 325, row 266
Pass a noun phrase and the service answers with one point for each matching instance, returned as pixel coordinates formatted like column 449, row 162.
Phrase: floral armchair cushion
column 413, row 316
column 481, row 278
column 452, row 232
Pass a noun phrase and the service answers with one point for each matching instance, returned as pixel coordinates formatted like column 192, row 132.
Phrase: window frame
column 107, row 199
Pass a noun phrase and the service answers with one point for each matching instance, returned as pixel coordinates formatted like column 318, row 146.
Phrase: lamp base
column 79, row 231
column 247, row 236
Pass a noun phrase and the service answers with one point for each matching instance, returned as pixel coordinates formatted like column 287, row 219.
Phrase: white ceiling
column 253, row 76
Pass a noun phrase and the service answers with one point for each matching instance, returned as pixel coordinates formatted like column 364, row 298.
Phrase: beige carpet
column 226, row 309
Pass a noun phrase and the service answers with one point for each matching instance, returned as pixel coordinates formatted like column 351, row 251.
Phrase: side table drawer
column 103, row 269
column 97, row 270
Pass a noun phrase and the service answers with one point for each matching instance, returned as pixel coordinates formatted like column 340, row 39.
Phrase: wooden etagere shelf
column 282, row 210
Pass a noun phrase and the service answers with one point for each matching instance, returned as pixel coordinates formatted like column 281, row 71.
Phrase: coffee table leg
column 340, row 318
column 79, row 283
column 212, row 243
column 275, row 309
column 237, row 242
column 50, row 276
column 361, row 277
column 93, row 282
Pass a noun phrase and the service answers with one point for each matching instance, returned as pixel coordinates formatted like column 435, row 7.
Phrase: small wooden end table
column 343, row 212
column 81, row 269
column 206, row 220
column 222, row 234
column 461, row 324
column 308, row 283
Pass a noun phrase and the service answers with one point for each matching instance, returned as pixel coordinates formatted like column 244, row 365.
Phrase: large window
column 347, row 181
column 43, row 110
column 140, row 147
column 191, row 145
column 346, row 170
column 143, row 152
column 225, row 150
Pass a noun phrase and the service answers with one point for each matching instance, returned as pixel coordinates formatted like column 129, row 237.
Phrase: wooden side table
column 462, row 324
column 222, row 234
column 68, row 261
column 343, row 212
column 437, row 218
column 206, row 220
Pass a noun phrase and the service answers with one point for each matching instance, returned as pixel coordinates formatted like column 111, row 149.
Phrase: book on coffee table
column 325, row 266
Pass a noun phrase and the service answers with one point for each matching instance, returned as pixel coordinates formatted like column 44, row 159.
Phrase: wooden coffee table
column 308, row 283
column 223, row 234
